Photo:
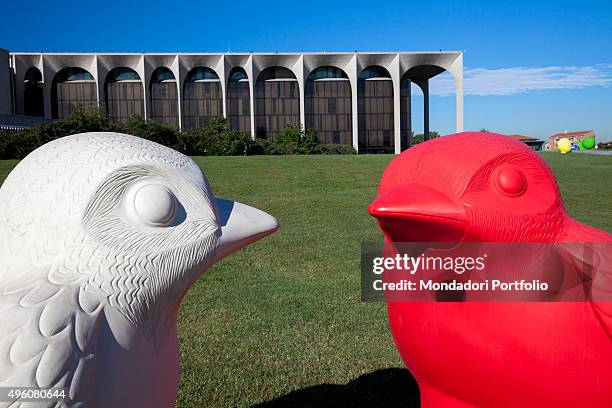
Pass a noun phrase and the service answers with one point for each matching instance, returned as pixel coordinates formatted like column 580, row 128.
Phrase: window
column 72, row 88
column 375, row 101
column 203, row 99
column 277, row 101
column 328, row 105
column 124, row 94
column 164, row 97
column 239, row 101
column 331, row 105
column 33, row 101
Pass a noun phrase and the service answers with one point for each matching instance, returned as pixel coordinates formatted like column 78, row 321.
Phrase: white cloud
column 515, row 80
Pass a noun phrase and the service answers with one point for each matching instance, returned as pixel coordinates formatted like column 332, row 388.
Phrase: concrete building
column 574, row 138
column 354, row 98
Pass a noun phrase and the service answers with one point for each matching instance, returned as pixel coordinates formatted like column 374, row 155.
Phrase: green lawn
column 284, row 316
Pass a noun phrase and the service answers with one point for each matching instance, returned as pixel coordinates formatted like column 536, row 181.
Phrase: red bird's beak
column 415, row 212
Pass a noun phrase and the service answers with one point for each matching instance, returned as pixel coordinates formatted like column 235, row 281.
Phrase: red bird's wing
column 593, row 260
column 589, row 250
column 601, row 284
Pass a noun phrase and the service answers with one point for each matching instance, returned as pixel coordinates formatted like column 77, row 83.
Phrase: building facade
column 573, row 137
column 362, row 99
column 534, row 143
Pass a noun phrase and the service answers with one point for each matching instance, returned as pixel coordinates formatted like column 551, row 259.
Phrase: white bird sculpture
column 101, row 235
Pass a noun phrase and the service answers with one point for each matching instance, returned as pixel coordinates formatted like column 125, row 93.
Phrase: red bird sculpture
column 484, row 187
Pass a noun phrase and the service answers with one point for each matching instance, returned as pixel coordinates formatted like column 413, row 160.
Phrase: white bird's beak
column 241, row 225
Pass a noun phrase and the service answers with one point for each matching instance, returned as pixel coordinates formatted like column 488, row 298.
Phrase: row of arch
column 327, row 97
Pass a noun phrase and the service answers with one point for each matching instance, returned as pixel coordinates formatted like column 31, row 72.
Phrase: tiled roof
column 578, row 133
column 522, row 137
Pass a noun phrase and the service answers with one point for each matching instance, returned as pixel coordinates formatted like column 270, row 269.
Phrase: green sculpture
column 587, row 143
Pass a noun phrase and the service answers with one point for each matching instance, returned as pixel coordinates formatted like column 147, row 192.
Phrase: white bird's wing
column 48, row 326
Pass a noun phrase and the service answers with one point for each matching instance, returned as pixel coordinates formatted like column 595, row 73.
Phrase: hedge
column 212, row 139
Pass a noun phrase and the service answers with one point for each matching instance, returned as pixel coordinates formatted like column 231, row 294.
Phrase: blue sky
column 532, row 67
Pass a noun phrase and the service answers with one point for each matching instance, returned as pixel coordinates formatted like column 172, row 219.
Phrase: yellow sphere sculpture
column 564, row 146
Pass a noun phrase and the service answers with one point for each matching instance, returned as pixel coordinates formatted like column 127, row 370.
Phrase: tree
column 419, row 137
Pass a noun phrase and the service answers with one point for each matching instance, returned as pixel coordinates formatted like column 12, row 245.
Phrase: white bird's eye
column 151, row 204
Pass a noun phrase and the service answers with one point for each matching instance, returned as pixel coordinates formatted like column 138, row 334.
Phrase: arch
column 124, row 94
column 72, row 88
column 33, row 99
column 328, row 105
column 277, row 101
column 164, row 97
column 375, row 110
column 203, row 98
column 239, row 100
column 419, row 75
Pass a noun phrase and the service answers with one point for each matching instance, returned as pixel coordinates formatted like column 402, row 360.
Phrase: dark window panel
column 276, row 101
column 204, row 100
column 124, row 98
column 164, row 103
column 375, row 115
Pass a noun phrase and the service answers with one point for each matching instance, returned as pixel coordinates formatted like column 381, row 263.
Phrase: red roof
column 522, row 137
column 578, row 133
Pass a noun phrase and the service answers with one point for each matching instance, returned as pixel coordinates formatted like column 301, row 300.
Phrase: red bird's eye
column 510, row 181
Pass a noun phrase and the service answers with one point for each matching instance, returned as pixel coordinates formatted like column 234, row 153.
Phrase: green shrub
column 4, row 137
column 158, row 133
column 19, row 145
column 81, row 121
column 212, row 139
column 293, row 140
column 259, row 146
column 215, row 139
column 334, row 149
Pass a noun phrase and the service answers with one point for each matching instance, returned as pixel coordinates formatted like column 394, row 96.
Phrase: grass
column 281, row 322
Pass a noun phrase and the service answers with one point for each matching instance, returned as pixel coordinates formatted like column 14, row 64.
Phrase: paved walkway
column 603, row 152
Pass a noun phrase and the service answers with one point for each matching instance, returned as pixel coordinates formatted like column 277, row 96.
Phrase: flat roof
column 243, row 53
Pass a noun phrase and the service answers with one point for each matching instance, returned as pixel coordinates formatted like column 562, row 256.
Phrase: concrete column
column 96, row 76
column 223, row 78
column 180, row 81
column 174, row 67
column 353, row 74
column 299, row 74
column 13, row 93
column 394, row 70
column 251, row 77
column 18, row 88
column 102, row 73
column 144, row 79
column 409, row 113
column 425, row 88
column 459, row 102
column 6, row 100
column 47, row 83
column 456, row 70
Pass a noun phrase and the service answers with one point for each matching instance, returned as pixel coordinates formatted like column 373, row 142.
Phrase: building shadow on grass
column 389, row 388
